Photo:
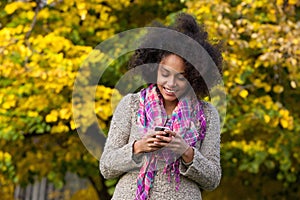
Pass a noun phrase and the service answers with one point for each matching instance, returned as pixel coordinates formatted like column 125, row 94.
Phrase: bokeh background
column 44, row 42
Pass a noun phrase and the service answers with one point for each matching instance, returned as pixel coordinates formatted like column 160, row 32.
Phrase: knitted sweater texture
column 118, row 160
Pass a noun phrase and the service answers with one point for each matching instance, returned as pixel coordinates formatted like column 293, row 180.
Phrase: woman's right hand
column 148, row 143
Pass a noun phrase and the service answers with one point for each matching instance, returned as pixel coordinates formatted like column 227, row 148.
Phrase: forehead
column 173, row 63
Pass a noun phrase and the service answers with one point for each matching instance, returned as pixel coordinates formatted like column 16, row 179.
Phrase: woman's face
column 170, row 78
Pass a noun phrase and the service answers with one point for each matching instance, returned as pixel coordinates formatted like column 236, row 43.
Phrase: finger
column 165, row 139
column 161, row 144
column 151, row 147
column 160, row 133
column 151, row 135
column 156, row 146
column 171, row 133
column 153, row 140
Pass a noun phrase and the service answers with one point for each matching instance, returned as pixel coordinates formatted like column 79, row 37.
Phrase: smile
column 169, row 90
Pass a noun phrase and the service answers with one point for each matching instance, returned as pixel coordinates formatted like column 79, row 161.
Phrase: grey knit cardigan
column 118, row 160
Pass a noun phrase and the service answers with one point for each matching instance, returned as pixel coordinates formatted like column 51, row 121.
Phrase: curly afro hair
column 187, row 25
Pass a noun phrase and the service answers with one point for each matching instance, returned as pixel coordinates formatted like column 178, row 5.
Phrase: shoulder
column 210, row 112
column 130, row 100
column 209, row 108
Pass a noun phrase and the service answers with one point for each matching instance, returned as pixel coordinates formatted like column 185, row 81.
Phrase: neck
column 169, row 106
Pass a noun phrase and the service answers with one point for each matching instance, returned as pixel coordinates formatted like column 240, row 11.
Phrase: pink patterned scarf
column 187, row 118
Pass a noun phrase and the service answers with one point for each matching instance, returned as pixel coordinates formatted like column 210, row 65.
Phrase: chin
column 168, row 98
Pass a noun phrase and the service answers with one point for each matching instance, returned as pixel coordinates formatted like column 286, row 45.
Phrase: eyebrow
column 169, row 70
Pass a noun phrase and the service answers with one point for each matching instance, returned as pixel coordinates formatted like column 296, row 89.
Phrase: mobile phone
column 161, row 128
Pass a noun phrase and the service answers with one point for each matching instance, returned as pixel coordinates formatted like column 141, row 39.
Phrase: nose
column 171, row 82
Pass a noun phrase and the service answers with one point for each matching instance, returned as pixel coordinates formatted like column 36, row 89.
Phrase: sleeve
column 205, row 168
column 117, row 157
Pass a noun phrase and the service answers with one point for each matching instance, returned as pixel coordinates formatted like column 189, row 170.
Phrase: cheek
column 183, row 86
column 160, row 79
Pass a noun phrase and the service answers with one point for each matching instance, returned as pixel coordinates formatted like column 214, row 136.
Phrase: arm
column 205, row 168
column 117, row 157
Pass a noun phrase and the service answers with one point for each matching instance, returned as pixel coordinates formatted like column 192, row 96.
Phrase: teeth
column 169, row 90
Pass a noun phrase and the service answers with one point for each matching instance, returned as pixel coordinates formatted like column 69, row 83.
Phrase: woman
column 178, row 161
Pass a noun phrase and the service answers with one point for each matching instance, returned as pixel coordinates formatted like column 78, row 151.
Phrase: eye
column 164, row 74
column 181, row 77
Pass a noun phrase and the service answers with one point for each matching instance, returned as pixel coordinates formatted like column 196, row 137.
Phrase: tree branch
column 40, row 5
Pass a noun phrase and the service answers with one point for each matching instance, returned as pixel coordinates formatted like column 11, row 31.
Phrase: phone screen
column 161, row 128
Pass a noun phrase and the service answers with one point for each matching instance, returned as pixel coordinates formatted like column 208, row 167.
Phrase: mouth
column 169, row 91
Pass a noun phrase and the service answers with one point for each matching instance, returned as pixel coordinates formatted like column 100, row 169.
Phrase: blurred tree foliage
column 260, row 138
column 43, row 44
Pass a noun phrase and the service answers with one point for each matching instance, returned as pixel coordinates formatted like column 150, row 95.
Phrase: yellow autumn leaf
column 241, row 30
column 267, row 118
column 257, row 82
column 293, row 2
column 32, row 167
column 272, row 151
column 269, row 105
column 82, row 14
column 279, row 2
column 12, row 7
column 284, row 113
column 4, row 156
column 68, row 156
column 278, row 89
column 272, row 17
column 102, row 124
column 32, row 114
column 64, row 113
column 284, row 123
column 9, row 104
column 1, row 98
column 39, row 155
column 44, row 13
column 52, row 116
column 30, row 15
column 80, row 5
column 50, row 1
column 244, row 93
column 238, row 80
column 60, row 128
column 226, row 73
column 267, row 87
column 73, row 125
